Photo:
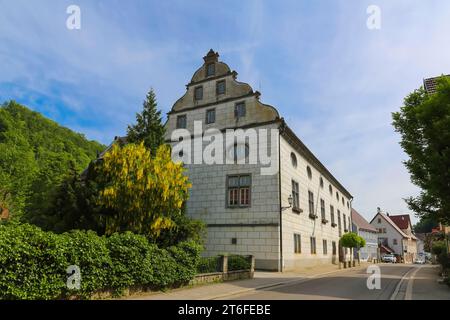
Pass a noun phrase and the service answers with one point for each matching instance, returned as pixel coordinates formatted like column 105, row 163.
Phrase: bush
column 127, row 251
column 33, row 263
column 236, row 262
column 89, row 252
column 438, row 247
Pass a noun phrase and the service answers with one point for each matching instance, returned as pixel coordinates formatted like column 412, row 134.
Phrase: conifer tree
column 148, row 128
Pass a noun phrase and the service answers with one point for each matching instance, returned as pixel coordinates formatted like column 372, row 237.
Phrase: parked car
column 419, row 260
column 390, row 258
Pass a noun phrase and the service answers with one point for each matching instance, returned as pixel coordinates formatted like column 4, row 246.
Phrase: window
column 337, row 196
column 309, row 172
column 384, row 230
column 332, row 214
column 239, row 188
column 198, row 93
column 239, row 110
column 395, row 242
column 339, row 222
column 181, row 122
column 345, row 222
column 238, row 151
column 313, row 245
column 379, row 220
column 311, row 202
column 220, row 87
column 297, row 243
column 333, row 245
column 321, row 183
column 325, row 246
column 295, row 195
column 348, row 205
column 210, row 116
column 210, row 69
column 322, row 208
column 342, row 200
column 330, row 188
column 294, row 160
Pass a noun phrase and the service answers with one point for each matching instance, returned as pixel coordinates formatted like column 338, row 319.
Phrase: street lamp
column 290, row 203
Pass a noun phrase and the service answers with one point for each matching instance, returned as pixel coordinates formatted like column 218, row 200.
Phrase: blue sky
column 335, row 81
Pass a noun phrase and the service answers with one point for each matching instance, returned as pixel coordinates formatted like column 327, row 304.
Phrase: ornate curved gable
column 206, row 79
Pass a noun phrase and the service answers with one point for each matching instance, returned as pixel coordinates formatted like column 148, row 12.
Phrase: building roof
column 386, row 249
column 430, row 84
column 421, row 236
column 362, row 223
column 298, row 145
column 403, row 221
column 385, row 217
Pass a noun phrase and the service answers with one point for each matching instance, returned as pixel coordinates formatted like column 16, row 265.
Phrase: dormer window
column 220, row 87
column 239, row 110
column 210, row 69
column 198, row 93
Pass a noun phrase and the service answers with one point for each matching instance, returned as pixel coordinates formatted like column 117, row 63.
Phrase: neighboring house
column 421, row 238
column 246, row 211
column 364, row 229
column 395, row 235
column 430, row 84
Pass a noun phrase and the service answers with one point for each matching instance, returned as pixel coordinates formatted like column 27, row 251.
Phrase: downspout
column 280, row 268
column 350, row 228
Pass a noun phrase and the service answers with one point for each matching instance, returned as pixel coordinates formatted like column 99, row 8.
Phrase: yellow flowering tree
column 143, row 193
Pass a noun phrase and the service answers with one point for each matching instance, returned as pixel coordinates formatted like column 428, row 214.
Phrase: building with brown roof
column 395, row 235
column 364, row 229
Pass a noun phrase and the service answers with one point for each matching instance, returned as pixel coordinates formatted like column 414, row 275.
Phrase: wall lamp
column 290, row 203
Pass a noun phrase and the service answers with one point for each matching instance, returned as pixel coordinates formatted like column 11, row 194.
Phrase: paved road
column 352, row 284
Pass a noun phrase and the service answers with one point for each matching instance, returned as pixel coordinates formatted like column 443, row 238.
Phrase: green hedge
column 236, row 262
column 33, row 263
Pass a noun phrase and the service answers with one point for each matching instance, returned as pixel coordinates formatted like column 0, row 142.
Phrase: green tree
column 148, row 127
column 425, row 225
column 144, row 193
column 424, row 126
column 36, row 154
column 351, row 240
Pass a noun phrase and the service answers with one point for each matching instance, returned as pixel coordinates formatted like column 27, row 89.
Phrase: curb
column 301, row 280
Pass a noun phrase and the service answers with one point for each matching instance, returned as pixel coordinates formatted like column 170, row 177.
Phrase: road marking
column 400, row 283
column 409, row 288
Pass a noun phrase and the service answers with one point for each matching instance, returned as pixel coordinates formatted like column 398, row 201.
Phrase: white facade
column 391, row 236
column 262, row 225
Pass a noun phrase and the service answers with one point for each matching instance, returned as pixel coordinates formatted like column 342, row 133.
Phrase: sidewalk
column 425, row 285
column 261, row 280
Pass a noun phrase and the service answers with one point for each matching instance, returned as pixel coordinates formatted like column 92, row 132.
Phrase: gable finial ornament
column 211, row 56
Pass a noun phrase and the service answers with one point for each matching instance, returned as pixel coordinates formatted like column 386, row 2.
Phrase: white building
column 247, row 210
column 364, row 229
column 395, row 235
